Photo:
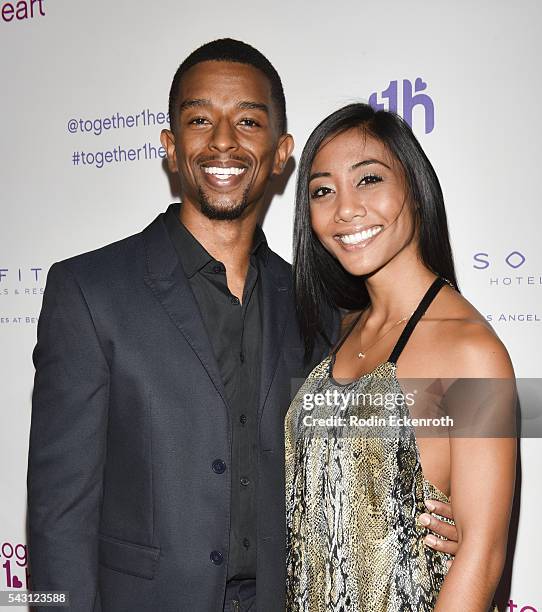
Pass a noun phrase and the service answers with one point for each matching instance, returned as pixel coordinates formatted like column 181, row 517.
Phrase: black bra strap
column 430, row 294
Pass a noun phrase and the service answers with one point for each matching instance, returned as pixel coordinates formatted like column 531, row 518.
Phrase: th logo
column 412, row 97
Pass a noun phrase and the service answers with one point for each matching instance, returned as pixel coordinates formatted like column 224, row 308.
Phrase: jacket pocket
column 128, row 558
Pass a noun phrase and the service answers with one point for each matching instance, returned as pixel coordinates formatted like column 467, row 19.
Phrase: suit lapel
column 166, row 280
column 276, row 288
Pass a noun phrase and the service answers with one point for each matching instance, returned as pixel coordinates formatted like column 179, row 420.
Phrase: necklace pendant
column 361, row 355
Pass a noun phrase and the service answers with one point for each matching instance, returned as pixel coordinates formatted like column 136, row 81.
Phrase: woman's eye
column 249, row 122
column 320, row 192
column 370, row 179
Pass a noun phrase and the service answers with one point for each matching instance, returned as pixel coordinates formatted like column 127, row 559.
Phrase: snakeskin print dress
column 352, row 501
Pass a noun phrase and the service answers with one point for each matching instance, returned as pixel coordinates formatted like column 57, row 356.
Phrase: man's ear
column 167, row 138
column 283, row 152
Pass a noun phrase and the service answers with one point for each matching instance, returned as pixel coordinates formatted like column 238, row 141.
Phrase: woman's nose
column 348, row 205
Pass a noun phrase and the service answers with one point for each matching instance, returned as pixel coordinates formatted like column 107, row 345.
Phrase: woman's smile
column 358, row 238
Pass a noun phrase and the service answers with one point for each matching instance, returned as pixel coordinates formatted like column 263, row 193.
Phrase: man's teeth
column 222, row 173
column 360, row 236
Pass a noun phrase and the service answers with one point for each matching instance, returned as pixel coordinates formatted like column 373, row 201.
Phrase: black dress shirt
column 235, row 333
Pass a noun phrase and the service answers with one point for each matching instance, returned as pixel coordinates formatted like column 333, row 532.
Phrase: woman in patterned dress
column 371, row 238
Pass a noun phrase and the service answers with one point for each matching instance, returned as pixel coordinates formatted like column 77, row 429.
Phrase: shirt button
column 219, row 467
column 235, row 300
column 245, row 481
column 246, row 542
column 243, row 418
column 217, row 557
column 217, row 269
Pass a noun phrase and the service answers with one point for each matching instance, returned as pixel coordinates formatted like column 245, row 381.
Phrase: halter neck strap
column 429, row 296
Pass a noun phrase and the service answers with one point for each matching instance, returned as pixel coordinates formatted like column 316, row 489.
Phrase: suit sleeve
column 67, row 445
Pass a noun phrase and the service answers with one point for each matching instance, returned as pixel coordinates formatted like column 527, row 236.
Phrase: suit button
column 245, row 481
column 219, row 467
column 216, row 557
column 243, row 418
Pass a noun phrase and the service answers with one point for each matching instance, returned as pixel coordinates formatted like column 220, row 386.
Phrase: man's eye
column 198, row 121
column 370, row 179
column 320, row 192
column 249, row 122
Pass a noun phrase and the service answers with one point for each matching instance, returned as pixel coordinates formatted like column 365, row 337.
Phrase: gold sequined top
column 353, row 498
column 352, row 501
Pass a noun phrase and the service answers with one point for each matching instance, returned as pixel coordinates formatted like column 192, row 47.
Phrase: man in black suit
column 163, row 373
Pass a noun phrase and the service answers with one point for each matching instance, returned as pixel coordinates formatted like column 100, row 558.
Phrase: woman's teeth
column 360, row 236
column 223, row 173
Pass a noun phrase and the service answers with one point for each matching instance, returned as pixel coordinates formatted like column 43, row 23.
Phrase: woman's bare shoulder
column 466, row 344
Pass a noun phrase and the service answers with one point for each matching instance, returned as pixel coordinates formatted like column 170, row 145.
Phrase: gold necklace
column 361, row 354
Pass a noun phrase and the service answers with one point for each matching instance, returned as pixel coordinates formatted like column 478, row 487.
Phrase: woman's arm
column 482, row 471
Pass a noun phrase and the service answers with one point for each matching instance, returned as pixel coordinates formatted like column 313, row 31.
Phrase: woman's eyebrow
column 367, row 162
column 318, row 175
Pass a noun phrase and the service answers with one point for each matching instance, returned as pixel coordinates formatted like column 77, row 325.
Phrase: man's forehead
column 213, row 80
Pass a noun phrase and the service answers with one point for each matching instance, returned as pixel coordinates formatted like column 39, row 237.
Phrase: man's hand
column 439, row 527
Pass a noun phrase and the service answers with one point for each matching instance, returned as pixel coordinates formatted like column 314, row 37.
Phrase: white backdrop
column 66, row 63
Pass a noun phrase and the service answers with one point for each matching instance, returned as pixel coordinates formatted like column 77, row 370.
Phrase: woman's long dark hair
column 320, row 282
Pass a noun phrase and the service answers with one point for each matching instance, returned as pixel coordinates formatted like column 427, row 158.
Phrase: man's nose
column 223, row 137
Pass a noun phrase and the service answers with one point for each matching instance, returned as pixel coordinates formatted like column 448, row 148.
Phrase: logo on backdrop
column 22, row 9
column 514, row 607
column 16, row 284
column 412, row 95
column 508, row 270
column 116, row 123
column 13, row 565
column 22, row 281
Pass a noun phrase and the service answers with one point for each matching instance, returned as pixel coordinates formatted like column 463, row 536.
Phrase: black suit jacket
column 129, row 413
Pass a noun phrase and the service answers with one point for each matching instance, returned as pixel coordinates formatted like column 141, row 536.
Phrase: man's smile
column 223, row 174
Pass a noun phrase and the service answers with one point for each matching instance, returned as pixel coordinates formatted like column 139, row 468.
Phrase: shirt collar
column 192, row 254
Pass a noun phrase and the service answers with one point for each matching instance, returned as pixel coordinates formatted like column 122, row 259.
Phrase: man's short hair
column 230, row 50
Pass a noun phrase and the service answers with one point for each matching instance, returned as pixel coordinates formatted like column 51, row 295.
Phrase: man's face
column 226, row 142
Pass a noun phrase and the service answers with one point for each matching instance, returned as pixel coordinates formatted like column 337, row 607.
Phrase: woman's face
column 359, row 203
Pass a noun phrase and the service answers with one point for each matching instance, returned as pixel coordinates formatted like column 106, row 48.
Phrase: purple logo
column 13, row 562
column 22, row 281
column 514, row 607
column 509, row 264
column 412, row 96
column 514, row 260
column 33, row 275
column 22, row 9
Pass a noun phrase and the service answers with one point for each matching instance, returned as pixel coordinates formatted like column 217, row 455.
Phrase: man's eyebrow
column 194, row 102
column 365, row 162
column 247, row 105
